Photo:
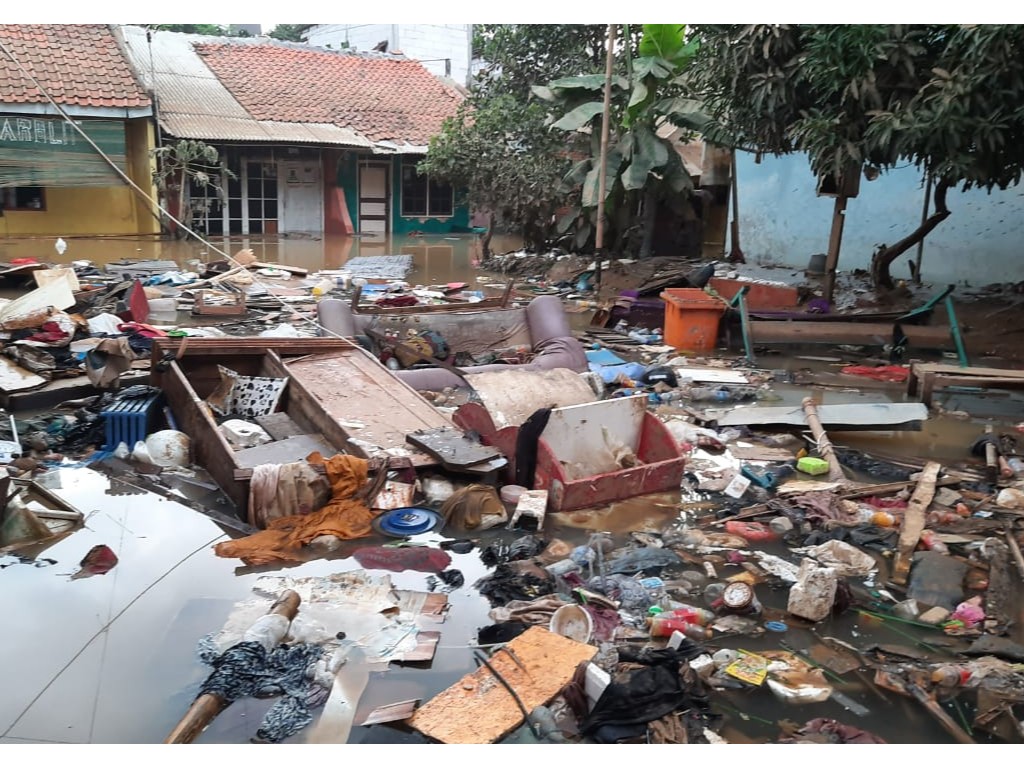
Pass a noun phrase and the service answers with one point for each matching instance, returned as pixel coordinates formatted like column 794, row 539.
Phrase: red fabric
column 148, row 331
column 893, row 373
column 49, row 333
column 426, row 559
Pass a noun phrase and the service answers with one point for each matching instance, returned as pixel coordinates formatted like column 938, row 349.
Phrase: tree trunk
column 485, row 243
column 883, row 258
column 647, row 222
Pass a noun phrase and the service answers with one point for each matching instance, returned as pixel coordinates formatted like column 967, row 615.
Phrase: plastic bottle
column 324, row 287
column 689, row 613
column 879, row 517
column 1016, row 465
column 951, row 675
column 268, row 630
column 713, row 592
column 662, row 626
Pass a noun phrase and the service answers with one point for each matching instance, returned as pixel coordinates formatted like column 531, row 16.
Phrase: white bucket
column 9, row 450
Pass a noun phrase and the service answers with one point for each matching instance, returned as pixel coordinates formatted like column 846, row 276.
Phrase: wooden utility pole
column 602, row 169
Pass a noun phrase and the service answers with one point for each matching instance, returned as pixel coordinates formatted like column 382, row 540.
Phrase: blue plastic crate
column 129, row 421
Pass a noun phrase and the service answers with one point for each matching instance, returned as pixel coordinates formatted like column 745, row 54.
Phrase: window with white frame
column 424, row 196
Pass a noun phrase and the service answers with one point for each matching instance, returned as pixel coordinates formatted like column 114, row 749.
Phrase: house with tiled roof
column 74, row 121
column 314, row 141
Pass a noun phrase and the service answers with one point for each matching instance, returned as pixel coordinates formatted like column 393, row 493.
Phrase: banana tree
column 642, row 168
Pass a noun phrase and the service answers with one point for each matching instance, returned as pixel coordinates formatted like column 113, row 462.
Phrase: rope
column 155, row 204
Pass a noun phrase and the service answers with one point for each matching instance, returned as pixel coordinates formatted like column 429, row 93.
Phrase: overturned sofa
column 541, row 326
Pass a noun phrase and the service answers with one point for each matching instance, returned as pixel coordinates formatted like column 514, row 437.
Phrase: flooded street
column 113, row 658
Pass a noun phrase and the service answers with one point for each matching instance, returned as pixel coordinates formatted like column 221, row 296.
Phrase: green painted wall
column 400, row 225
column 348, row 179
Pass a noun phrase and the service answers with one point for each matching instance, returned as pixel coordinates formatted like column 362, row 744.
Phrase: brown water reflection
column 436, row 258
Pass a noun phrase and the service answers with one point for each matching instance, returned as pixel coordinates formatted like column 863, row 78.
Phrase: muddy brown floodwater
column 112, row 658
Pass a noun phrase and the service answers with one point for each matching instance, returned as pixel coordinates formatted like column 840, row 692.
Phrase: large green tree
column 871, row 97
column 643, row 168
column 499, row 148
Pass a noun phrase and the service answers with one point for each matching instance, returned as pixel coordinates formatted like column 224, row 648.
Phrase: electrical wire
column 154, row 203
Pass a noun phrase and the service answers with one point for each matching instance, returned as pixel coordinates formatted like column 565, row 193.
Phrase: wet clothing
column 247, row 669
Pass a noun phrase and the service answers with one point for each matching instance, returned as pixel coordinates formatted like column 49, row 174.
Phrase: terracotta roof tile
column 384, row 99
column 78, row 64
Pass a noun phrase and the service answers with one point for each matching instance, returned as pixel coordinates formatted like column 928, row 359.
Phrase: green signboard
column 49, row 152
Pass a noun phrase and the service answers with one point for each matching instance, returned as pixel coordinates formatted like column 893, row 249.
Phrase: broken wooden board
column 479, row 710
column 32, row 309
column 914, row 521
column 512, row 396
column 390, row 713
column 836, row 416
column 760, row 453
column 352, row 387
column 452, row 447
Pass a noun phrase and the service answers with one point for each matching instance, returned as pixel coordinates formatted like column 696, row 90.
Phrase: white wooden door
column 302, row 197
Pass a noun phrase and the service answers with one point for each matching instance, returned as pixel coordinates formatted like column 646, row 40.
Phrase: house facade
column 311, row 141
column 53, row 179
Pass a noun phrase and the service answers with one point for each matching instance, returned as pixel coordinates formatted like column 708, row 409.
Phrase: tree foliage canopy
column 947, row 98
column 499, row 148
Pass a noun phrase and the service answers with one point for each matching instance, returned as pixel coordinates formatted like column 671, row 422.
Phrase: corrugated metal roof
column 193, row 104
column 234, row 129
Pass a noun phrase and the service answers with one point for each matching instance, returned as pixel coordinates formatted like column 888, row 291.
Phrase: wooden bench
column 925, row 378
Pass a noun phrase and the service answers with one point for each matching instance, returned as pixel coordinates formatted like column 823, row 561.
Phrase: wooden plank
column 478, row 709
column 352, row 387
column 390, row 713
column 942, row 368
column 914, row 521
column 210, row 449
column 825, row 332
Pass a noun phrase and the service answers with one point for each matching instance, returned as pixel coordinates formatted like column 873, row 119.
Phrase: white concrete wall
column 429, row 43
column 783, row 221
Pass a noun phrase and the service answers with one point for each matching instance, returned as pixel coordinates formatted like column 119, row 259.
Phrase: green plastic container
column 812, row 465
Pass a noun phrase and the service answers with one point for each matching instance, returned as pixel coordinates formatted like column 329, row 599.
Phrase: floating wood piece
column 824, row 445
column 479, row 710
column 452, row 447
column 207, row 706
column 390, row 713
column 914, row 521
column 936, row 711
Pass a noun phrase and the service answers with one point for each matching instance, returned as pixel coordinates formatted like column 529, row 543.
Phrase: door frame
column 386, row 199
